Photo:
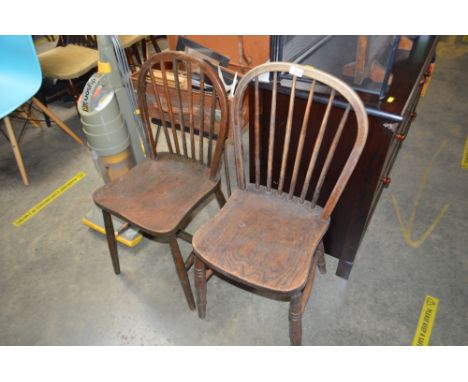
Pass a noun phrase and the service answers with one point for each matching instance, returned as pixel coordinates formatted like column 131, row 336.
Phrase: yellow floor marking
column 120, row 239
column 48, row 199
column 426, row 321
column 407, row 230
column 464, row 161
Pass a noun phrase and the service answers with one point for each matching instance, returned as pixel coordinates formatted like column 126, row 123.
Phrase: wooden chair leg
column 154, row 41
column 181, row 272
column 41, row 96
column 295, row 320
column 226, row 172
column 200, row 286
column 56, row 119
column 131, row 63
column 220, row 197
column 136, row 53
column 308, row 287
column 322, row 266
column 144, row 50
column 16, row 150
column 111, row 242
column 73, row 90
column 28, row 115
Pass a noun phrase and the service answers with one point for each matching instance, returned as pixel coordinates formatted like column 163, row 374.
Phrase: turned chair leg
column 181, row 272
column 322, row 266
column 200, row 286
column 220, row 197
column 295, row 320
column 111, row 242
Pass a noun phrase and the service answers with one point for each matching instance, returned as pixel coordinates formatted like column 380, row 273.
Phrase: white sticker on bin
column 295, row 71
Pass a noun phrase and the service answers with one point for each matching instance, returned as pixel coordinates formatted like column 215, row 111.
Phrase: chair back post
column 338, row 88
column 175, row 102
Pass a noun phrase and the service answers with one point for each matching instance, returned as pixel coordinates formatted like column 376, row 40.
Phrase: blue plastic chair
column 20, row 72
column 20, row 79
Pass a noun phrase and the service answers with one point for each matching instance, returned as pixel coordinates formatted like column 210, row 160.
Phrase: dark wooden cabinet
column 389, row 122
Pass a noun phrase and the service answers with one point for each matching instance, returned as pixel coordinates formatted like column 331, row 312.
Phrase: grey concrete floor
column 57, row 286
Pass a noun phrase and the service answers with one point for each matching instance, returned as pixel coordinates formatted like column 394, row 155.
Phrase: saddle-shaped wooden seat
column 157, row 195
column 249, row 241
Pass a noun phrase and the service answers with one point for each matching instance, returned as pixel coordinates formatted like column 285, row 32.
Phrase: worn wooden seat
column 157, row 195
column 266, row 237
column 247, row 240
column 160, row 194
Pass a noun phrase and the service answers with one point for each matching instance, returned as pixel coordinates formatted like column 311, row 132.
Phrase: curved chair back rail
column 337, row 88
column 165, row 91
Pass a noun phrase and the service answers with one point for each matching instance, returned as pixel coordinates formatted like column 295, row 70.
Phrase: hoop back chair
column 265, row 237
column 159, row 195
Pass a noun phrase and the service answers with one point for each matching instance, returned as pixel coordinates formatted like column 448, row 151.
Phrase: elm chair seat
column 68, row 62
column 157, row 195
column 238, row 246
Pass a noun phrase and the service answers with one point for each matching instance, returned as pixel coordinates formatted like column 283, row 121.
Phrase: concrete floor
column 57, row 286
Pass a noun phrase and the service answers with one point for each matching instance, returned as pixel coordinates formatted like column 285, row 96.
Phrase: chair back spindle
column 174, row 89
column 322, row 83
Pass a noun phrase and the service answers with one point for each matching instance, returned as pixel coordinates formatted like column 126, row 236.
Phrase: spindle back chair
column 266, row 237
column 160, row 194
column 179, row 106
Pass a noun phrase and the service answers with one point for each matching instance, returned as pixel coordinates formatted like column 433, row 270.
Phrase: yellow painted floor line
column 48, row 199
column 464, row 161
column 426, row 321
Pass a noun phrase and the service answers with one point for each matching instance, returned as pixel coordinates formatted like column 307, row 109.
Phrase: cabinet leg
column 344, row 269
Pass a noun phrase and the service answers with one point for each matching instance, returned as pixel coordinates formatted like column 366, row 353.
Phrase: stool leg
column 200, row 286
column 16, row 150
column 181, row 272
column 295, row 320
column 111, row 242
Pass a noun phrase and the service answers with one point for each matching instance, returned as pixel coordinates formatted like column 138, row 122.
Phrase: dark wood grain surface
column 157, row 195
column 247, row 240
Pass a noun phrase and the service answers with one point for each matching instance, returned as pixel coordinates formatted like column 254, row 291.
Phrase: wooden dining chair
column 161, row 193
column 265, row 237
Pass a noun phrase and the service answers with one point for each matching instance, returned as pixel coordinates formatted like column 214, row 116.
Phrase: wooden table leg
column 16, row 150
